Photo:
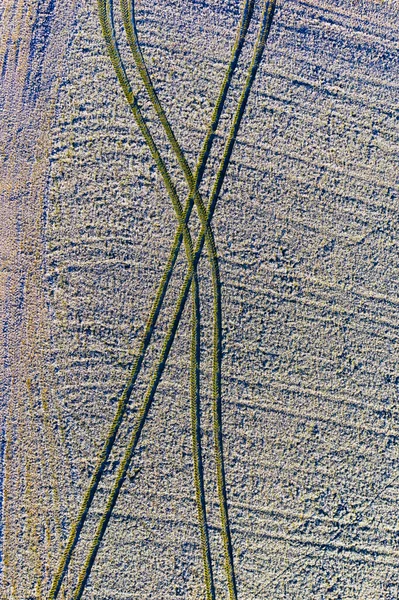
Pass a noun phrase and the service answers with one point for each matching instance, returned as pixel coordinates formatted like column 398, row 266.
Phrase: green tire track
column 128, row 16
column 154, row 313
column 266, row 21
column 106, row 18
column 127, row 9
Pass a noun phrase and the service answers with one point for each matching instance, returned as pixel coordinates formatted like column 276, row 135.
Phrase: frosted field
column 306, row 231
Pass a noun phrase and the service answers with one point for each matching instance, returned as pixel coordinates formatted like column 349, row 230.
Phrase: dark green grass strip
column 267, row 18
column 127, row 9
column 155, row 310
column 128, row 15
column 106, row 18
column 197, row 454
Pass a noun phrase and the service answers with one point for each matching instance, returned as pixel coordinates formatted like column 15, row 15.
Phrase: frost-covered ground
column 307, row 237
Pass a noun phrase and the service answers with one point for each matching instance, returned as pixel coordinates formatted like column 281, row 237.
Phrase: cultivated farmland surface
column 306, row 231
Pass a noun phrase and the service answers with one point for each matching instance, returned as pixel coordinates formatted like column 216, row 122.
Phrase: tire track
column 162, row 288
column 106, row 19
column 267, row 17
column 128, row 15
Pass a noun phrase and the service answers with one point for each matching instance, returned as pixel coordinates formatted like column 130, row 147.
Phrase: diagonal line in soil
column 267, row 18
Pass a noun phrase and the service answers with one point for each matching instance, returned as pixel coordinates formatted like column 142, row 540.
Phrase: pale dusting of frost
column 307, row 237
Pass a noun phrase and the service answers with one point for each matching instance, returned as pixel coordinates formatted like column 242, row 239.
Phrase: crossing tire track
column 154, row 313
column 266, row 21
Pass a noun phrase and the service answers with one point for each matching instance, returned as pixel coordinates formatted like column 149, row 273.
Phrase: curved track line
column 127, row 9
column 267, row 18
column 128, row 15
column 106, row 18
column 161, row 291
